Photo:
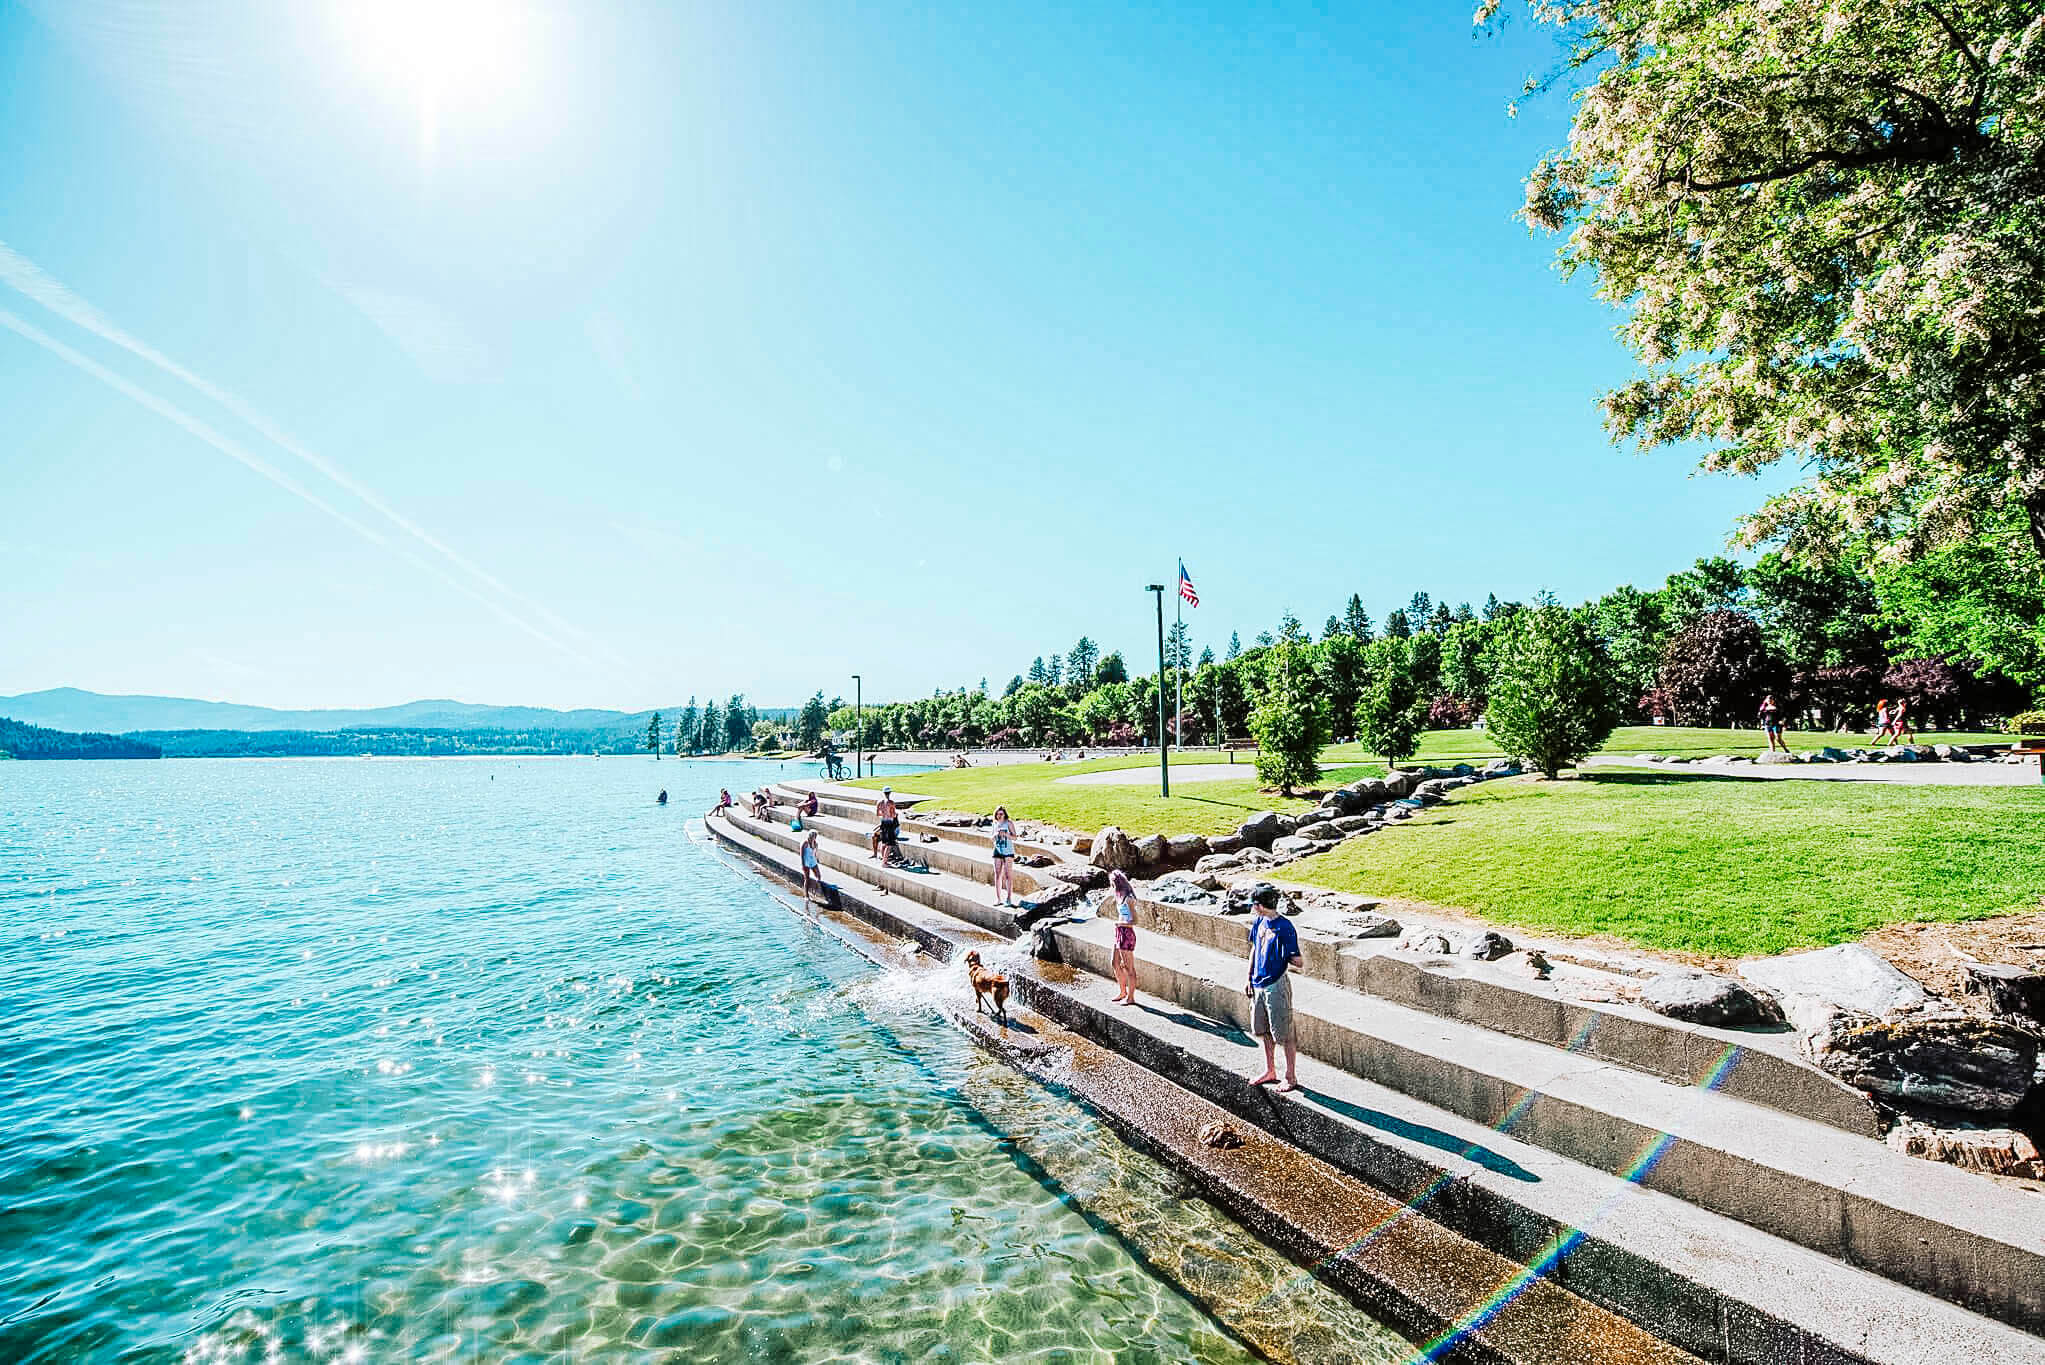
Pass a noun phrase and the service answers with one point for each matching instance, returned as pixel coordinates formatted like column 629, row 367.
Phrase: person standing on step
column 1125, row 936
column 1004, row 857
column 887, row 837
column 1274, row 950
column 811, row 870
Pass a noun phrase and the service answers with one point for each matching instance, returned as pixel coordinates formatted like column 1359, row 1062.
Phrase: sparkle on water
column 450, row 1060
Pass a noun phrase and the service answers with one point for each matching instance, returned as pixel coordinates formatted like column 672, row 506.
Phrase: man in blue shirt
column 1274, row 947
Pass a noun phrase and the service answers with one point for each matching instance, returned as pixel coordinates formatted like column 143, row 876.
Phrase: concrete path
column 1908, row 774
column 1147, row 774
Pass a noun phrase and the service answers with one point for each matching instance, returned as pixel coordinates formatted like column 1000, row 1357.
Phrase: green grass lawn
column 1704, row 865
column 1462, row 746
column 1031, row 791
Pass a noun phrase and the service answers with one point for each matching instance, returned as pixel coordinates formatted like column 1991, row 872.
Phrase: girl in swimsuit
column 1125, row 936
column 1004, row 857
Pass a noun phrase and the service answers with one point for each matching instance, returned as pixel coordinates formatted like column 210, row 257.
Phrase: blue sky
column 601, row 355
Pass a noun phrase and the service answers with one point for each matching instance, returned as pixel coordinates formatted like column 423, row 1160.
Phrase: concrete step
column 1962, row 1236
column 863, row 810
column 953, row 895
column 946, row 855
column 1760, row 1066
column 1725, row 1291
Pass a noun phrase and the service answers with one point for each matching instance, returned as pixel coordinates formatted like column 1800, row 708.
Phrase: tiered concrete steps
column 1742, row 1228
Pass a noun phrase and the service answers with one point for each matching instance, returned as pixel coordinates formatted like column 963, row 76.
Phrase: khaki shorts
column 1271, row 1010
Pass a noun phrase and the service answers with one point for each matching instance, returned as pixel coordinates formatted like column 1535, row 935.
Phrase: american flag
column 1186, row 586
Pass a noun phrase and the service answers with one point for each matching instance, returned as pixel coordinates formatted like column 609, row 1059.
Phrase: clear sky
column 579, row 354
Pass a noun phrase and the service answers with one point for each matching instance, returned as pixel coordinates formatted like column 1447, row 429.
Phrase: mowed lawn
column 1032, row 791
column 1721, row 867
column 1463, row 746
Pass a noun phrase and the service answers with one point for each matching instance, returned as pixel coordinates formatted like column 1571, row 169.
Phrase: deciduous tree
column 1825, row 221
column 1552, row 702
column 1288, row 721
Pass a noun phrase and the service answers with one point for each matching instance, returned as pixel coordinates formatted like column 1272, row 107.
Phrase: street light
column 1164, row 769
column 858, row 726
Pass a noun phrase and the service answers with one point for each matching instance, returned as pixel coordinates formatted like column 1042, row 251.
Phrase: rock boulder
column 1260, row 829
column 1487, row 946
column 1702, row 998
column 1292, row 846
column 2003, row 989
column 1218, row 862
column 1185, row 848
column 1224, row 843
column 1112, row 850
column 1982, row 1066
column 1150, row 849
column 1319, row 832
column 1848, row 976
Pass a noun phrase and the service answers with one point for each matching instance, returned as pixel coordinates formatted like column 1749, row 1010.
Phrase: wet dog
column 987, row 986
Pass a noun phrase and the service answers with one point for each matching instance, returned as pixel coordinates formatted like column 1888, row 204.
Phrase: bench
column 2032, row 744
column 1230, row 746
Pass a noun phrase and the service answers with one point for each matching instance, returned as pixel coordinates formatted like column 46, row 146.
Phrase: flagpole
column 1179, row 662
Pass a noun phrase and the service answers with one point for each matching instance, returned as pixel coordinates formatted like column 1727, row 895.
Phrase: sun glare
column 442, row 58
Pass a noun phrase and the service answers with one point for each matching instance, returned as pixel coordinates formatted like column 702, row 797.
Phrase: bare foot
column 1265, row 1079
column 1288, row 1087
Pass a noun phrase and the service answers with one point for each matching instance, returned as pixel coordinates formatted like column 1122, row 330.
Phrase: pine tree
column 710, row 731
column 1080, row 661
column 737, row 727
column 1235, row 647
column 1356, row 620
column 1397, row 627
column 1015, row 685
column 1111, row 670
column 1332, row 629
column 1264, row 640
column 1419, row 609
column 1178, row 645
column 1038, row 673
column 1054, row 673
column 1206, row 655
column 653, row 736
column 1441, row 620
column 1491, row 606
column 685, row 731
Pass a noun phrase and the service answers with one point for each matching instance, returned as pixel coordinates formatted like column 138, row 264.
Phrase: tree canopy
column 1825, row 221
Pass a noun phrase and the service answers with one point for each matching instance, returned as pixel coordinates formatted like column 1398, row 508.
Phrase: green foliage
column 2026, row 723
column 809, row 726
column 1080, row 662
column 1982, row 600
column 1391, row 710
column 1340, row 671
column 1356, row 620
column 1112, row 669
column 1551, row 689
column 653, row 735
column 1288, row 722
column 1825, row 222
column 1716, row 669
column 1464, row 672
column 766, row 735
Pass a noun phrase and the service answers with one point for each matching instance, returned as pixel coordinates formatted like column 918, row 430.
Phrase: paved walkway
column 1907, row 774
column 1181, row 772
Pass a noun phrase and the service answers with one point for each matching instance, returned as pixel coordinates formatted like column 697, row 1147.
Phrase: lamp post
column 858, row 726
column 1164, row 767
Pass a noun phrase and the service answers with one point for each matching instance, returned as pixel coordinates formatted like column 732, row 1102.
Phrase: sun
column 445, row 59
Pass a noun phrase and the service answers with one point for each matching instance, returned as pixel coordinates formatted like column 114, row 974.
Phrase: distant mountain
column 70, row 708
column 35, row 741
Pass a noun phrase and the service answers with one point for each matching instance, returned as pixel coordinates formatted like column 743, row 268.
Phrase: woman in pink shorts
column 1125, row 936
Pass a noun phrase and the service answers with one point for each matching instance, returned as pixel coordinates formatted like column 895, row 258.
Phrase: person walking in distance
column 1771, row 724
column 1004, row 857
column 1899, row 722
column 1125, row 936
column 1881, row 721
column 1274, row 950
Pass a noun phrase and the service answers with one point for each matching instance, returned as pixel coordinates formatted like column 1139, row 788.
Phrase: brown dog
column 987, row 986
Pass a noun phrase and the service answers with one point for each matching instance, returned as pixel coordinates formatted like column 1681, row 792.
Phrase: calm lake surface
column 487, row 1059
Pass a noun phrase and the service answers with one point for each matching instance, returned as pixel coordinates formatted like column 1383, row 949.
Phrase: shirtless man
column 887, row 834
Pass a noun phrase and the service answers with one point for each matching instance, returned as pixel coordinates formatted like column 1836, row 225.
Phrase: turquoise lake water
column 488, row 1059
